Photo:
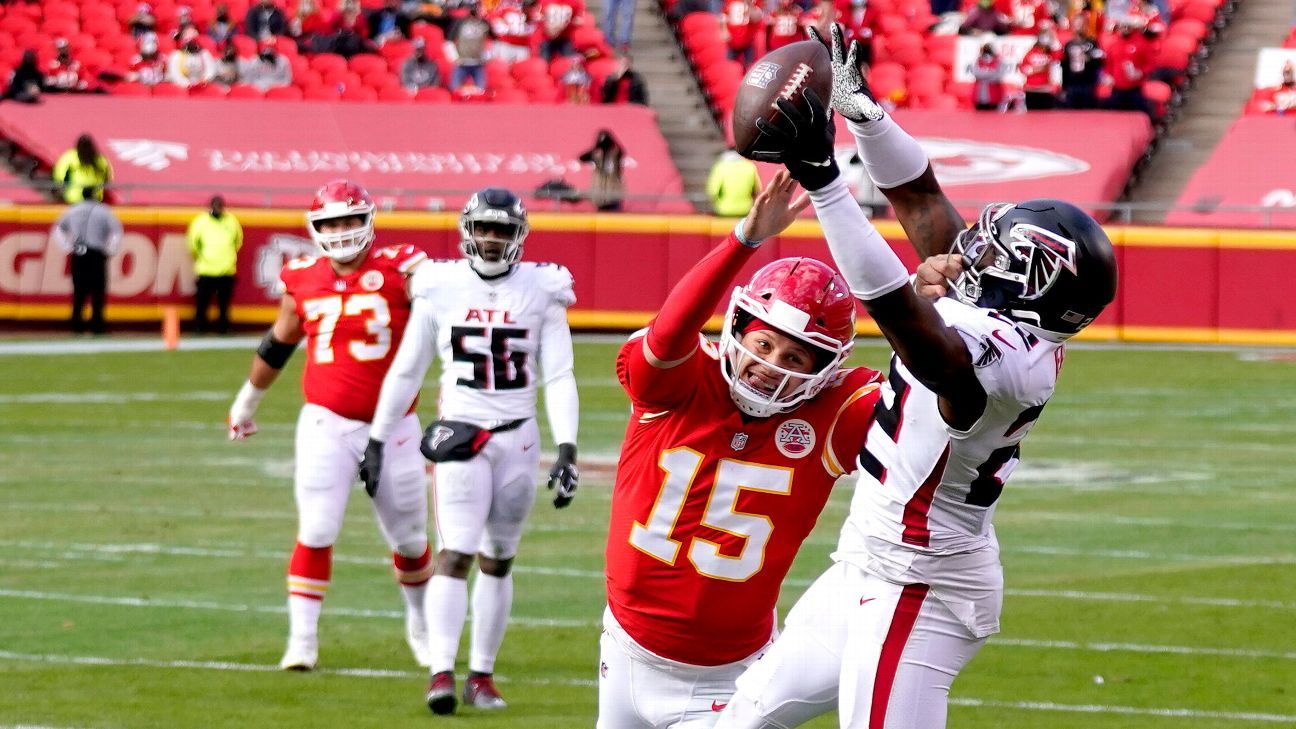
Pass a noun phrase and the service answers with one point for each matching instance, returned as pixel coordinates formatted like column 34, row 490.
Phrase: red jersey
column 559, row 17
column 1025, row 16
column 784, row 27
column 1037, row 67
column 710, row 507
column 741, row 21
column 1277, row 99
column 353, row 323
column 509, row 24
column 1127, row 60
column 148, row 71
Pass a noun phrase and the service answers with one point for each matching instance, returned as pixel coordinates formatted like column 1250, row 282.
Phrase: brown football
column 782, row 73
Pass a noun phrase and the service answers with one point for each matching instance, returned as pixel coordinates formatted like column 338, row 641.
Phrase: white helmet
column 341, row 199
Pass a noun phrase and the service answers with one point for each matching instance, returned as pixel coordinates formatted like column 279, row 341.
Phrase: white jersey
column 922, row 508
column 489, row 334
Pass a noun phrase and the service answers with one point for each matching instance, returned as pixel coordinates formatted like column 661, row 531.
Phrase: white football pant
column 883, row 654
column 482, row 503
column 641, row 690
column 329, row 449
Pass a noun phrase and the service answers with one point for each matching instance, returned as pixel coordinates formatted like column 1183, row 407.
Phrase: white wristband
column 889, row 154
column 738, row 235
column 248, row 398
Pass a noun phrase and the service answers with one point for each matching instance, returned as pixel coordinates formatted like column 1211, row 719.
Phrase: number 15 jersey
column 489, row 332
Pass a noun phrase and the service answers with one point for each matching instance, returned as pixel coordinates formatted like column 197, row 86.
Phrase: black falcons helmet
column 1052, row 266
column 493, row 206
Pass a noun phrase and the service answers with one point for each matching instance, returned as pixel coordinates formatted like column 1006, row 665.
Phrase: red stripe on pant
column 902, row 623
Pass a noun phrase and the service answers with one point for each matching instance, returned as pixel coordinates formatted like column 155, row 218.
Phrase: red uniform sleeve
column 846, row 435
column 674, row 333
column 650, row 386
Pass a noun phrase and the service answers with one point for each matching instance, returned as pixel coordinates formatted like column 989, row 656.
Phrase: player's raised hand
column 934, row 276
column 243, row 410
column 564, row 476
column 851, row 95
column 805, row 139
column 371, row 466
column 775, row 208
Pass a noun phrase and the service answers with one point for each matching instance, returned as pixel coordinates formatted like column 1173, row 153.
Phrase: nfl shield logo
column 739, row 441
column 762, row 74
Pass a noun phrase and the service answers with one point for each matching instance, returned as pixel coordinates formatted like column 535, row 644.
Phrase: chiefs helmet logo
column 1045, row 253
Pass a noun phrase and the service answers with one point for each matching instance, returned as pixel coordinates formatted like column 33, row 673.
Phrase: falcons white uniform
column 917, row 585
column 489, row 334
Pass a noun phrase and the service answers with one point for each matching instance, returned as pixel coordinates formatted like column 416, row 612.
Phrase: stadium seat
column 130, row 88
column 497, row 72
column 510, row 96
column 321, row 93
column 707, row 55
column 359, row 93
column 165, row 89
column 397, row 93
column 544, row 95
column 210, row 91
column 1190, row 28
column 367, row 63
column 245, row 47
column 528, row 68
column 941, row 49
column 1158, row 94
column 398, row 49
column 284, row 93
column 432, row 94
column 906, row 49
column 327, row 63
column 246, row 91
column 380, row 80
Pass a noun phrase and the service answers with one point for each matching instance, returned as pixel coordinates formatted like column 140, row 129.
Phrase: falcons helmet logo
column 1045, row 253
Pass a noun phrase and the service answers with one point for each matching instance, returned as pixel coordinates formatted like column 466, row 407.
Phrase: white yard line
column 532, row 622
column 378, row 673
column 113, row 397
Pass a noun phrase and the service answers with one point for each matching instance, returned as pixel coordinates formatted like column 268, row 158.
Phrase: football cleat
column 441, row 693
column 302, row 655
column 480, row 693
column 416, row 634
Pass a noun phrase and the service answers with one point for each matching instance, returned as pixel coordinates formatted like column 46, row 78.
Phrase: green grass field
column 1149, row 544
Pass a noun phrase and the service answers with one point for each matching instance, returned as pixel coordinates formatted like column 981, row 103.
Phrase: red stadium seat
column 1190, row 28
column 544, row 95
column 321, row 93
column 61, row 27
column 327, row 63
column 359, row 93
column 432, row 35
column 892, row 25
column 100, row 27
column 396, row 49
column 1204, row 12
column 284, row 93
column 692, row 22
column 706, row 55
column 165, row 89
column 941, row 49
column 245, row 46
column 510, row 96
column 396, row 94
column 380, row 80
column 906, row 49
column 130, row 88
column 530, row 67
column 210, row 91
column 432, row 94
column 246, row 91
column 497, row 72
column 367, row 63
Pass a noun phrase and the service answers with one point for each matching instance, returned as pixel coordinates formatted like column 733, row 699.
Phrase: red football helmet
column 801, row 298
column 340, row 199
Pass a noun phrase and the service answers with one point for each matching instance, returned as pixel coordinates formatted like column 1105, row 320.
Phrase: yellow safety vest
column 74, row 176
column 732, row 185
column 214, row 243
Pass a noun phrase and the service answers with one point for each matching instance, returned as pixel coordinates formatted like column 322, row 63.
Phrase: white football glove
column 851, row 95
column 241, row 424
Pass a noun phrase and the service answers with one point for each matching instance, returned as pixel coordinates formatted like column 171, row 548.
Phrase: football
column 780, row 74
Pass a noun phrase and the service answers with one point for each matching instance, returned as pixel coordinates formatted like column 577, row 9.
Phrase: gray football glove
column 851, row 95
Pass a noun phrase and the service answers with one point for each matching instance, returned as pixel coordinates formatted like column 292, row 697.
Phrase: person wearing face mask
column 190, row 64
column 148, row 67
column 491, row 318
column 268, row 69
column 1128, row 65
column 419, row 71
column 1037, row 68
column 27, row 82
column 265, row 18
column 729, row 457
column 222, row 27
column 227, row 66
column 143, row 22
column 1280, row 99
column 988, row 70
column 215, row 238
column 64, row 74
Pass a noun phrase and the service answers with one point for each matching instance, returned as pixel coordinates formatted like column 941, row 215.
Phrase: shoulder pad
column 556, row 281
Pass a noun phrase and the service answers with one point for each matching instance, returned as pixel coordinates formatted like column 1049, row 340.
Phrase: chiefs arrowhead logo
column 968, row 162
column 150, row 154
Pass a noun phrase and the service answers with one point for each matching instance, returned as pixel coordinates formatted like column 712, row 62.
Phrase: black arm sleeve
column 274, row 352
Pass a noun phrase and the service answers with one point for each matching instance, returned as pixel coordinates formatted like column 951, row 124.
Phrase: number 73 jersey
column 353, row 324
column 710, row 507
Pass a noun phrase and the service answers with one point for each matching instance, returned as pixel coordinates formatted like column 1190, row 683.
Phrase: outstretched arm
column 271, row 356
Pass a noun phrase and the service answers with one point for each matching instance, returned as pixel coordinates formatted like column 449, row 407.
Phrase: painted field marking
column 531, row 622
column 378, row 673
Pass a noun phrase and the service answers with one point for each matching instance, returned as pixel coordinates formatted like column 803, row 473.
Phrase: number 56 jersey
column 489, row 333
column 353, row 324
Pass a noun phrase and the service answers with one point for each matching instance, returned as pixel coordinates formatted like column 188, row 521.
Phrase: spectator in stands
column 143, row 22
column 575, row 82
column 388, row 23
column 148, row 67
column 742, row 20
column 624, row 85
column 469, row 46
column 81, row 168
column 1082, row 63
column 184, row 21
column 352, row 34
column 222, row 27
column 63, row 74
column 988, row 71
column 1280, row 99
column 419, row 71
column 984, row 18
column 558, row 18
column 27, row 81
column 215, row 237
column 227, row 66
column 1037, row 69
column 513, row 31
column 265, row 18
column 1128, row 68
column 606, row 190
column 940, row 7
column 310, row 23
column 90, row 233
column 1027, row 17
column 618, row 23
column 784, row 25
column 821, row 17
column 190, row 64
column 860, row 24
column 732, row 184
column 268, row 69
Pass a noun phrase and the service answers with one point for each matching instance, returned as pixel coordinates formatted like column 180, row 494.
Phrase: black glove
column 806, row 141
column 371, row 466
column 564, row 475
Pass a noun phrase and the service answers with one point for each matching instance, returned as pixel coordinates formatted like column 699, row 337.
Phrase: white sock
column 492, row 601
column 415, row 598
column 447, row 608
column 303, row 617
